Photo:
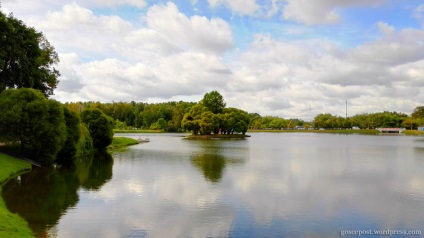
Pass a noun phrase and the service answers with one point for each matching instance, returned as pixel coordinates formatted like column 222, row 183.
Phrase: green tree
column 33, row 121
column 162, row 123
column 214, row 102
column 26, row 57
column 418, row 112
column 234, row 120
column 72, row 121
column 191, row 120
column 324, row 120
column 100, row 127
column 278, row 123
column 207, row 123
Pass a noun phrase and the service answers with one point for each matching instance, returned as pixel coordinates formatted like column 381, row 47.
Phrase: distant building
column 421, row 128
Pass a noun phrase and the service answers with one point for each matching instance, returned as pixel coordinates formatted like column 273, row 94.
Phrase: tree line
column 204, row 117
column 201, row 118
column 47, row 131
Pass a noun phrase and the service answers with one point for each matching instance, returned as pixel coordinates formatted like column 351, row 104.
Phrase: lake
column 268, row 185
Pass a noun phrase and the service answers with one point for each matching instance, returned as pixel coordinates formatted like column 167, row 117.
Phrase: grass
column 12, row 225
column 413, row 132
column 11, row 167
column 362, row 131
column 137, row 131
column 119, row 142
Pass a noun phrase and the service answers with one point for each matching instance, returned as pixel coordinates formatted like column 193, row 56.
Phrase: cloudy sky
column 287, row 58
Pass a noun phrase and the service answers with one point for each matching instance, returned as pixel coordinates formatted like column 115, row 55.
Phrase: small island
column 209, row 119
column 218, row 136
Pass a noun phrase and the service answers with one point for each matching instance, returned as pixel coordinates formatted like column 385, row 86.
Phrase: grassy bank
column 12, row 225
column 362, row 131
column 137, row 131
column 413, row 132
column 119, row 142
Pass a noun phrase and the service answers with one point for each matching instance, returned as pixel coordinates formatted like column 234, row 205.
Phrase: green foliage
column 121, row 125
column 191, row 120
column 214, row 102
column 199, row 119
column 234, row 120
column 131, row 115
column 26, row 57
column 100, row 127
column 72, row 120
column 85, row 142
column 178, row 116
column 208, row 123
column 33, row 121
column 380, row 119
column 418, row 112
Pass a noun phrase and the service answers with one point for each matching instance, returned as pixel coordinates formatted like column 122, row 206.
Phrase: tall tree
column 26, row 57
column 100, row 127
column 418, row 112
column 34, row 122
column 72, row 121
column 214, row 102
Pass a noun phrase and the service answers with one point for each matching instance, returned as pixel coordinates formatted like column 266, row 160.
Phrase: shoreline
column 12, row 224
column 341, row 131
column 218, row 136
column 120, row 142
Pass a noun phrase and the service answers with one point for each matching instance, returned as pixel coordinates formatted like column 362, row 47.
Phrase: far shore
column 218, row 136
column 341, row 131
column 333, row 131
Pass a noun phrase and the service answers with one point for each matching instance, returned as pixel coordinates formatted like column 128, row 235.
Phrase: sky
column 285, row 58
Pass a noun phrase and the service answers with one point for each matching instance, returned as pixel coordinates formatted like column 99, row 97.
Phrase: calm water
column 269, row 185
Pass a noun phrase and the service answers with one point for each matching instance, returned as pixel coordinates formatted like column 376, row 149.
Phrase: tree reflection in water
column 212, row 159
column 211, row 165
column 42, row 196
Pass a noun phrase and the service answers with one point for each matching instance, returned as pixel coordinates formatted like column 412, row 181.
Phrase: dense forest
column 167, row 116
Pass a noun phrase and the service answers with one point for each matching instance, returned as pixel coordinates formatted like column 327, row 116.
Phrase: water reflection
column 210, row 159
column 42, row 196
column 211, row 165
column 271, row 185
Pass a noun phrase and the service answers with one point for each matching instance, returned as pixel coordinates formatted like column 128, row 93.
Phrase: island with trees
column 210, row 119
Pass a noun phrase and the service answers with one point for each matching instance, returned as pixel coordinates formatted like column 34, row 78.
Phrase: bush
column 73, row 122
column 100, row 127
column 33, row 121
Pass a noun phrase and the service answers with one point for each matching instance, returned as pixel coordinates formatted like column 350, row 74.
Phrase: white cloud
column 302, row 79
column 195, row 33
column 320, row 11
column 385, row 28
column 419, row 13
column 240, row 7
column 113, row 3
column 163, row 54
